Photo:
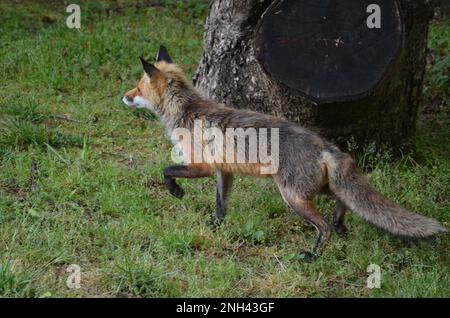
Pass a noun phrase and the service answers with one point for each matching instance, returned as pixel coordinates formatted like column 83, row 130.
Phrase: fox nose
column 128, row 100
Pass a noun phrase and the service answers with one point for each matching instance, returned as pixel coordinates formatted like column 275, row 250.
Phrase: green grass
column 96, row 198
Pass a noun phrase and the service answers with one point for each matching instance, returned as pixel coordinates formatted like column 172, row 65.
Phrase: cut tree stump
column 329, row 65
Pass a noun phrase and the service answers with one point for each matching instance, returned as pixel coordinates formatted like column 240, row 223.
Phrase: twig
column 317, row 282
column 33, row 174
column 345, row 283
column 131, row 162
column 279, row 262
column 67, row 118
column 57, row 154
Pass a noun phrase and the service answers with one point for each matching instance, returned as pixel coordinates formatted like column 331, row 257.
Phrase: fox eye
column 139, row 90
column 170, row 82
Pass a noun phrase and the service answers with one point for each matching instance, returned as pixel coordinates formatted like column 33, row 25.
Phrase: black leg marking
column 224, row 185
column 338, row 219
column 189, row 171
column 173, row 187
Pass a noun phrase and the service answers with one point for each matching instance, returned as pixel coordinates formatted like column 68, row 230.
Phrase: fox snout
column 128, row 100
column 131, row 99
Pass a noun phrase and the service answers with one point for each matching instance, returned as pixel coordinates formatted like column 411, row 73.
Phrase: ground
column 81, row 176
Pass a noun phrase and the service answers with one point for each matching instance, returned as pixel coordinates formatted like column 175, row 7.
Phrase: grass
column 81, row 178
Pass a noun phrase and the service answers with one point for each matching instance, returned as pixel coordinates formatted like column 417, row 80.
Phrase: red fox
column 308, row 164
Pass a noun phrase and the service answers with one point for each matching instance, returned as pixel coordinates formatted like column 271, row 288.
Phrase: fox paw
column 176, row 190
column 307, row 256
column 214, row 223
column 340, row 230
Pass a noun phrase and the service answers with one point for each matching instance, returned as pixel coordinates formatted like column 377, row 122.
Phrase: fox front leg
column 188, row 171
column 224, row 184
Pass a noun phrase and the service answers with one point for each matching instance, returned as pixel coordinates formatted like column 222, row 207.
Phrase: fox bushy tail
column 352, row 188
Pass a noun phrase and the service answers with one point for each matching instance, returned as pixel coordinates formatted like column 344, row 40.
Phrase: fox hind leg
column 306, row 209
column 338, row 219
column 224, row 185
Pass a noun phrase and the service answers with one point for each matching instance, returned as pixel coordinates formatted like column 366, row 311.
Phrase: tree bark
column 231, row 72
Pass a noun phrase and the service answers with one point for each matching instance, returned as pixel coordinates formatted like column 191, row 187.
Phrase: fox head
column 160, row 83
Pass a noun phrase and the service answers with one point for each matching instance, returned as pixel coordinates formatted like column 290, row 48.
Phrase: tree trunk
column 319, row 64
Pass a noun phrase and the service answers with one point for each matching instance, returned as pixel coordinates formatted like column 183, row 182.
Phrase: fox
column 309, row 165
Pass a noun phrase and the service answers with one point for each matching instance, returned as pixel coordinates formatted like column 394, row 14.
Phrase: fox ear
column 163, row 55
column 150, row 69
